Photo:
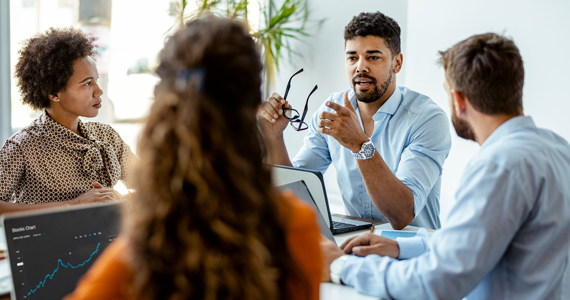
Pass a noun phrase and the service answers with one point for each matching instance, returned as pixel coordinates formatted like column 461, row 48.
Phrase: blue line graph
column 67, row 265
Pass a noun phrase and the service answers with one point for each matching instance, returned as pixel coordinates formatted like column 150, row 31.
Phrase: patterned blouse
column 47, row 162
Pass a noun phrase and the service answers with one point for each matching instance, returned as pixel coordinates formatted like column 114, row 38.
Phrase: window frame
column 5, row 93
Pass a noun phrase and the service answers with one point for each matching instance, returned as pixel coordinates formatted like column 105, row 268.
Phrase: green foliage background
column 281, row 25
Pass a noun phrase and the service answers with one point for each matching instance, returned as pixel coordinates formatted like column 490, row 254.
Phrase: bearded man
column 387, row 143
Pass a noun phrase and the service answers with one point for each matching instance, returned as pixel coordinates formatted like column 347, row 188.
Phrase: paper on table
column 3, row 245
column 395, row 234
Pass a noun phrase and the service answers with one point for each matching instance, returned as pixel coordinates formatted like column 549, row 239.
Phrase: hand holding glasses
column 292, row 114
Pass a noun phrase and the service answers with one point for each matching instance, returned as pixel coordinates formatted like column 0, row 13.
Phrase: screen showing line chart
column 50, row 252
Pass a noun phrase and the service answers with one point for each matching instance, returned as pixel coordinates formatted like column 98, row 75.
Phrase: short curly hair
column 376, row 24
column 46, row 61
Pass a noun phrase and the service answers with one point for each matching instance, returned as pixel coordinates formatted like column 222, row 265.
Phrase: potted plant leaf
column 280, row 25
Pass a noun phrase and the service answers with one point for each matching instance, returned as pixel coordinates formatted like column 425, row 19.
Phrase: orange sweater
column 110, row 276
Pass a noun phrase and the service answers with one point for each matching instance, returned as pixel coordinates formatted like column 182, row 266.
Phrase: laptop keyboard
column 341, row 225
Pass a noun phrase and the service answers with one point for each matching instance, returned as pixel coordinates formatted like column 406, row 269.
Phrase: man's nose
column 362, row 66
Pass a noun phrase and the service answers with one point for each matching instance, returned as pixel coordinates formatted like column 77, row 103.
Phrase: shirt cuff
column 413, row 246
column 336, row 267
column 367, row 274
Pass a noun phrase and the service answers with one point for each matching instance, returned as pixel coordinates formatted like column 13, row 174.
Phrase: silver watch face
column 366, row 151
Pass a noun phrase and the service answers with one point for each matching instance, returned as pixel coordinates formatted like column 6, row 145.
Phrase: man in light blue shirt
column 387, row 143
column 507, row 236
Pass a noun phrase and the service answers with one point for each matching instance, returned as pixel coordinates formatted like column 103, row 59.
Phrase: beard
column 462, row 128
column 376, row 92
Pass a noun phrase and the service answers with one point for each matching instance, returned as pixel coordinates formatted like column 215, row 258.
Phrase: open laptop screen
column 301, row 190
column 314, row 181
column 50, row 250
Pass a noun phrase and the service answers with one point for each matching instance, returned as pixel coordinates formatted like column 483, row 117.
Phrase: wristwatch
column 366, row 151
column 336, row 268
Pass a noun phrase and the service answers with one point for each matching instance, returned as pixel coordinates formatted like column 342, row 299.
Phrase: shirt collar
column 389, row 107
column 508, row 127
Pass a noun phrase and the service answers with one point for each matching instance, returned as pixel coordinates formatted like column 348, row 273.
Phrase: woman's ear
column 54, row 98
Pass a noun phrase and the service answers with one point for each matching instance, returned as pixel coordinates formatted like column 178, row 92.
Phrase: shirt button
column 366, row 205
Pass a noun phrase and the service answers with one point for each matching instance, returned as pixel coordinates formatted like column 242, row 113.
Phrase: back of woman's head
column 205, row 223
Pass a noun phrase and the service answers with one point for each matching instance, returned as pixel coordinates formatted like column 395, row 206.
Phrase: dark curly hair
column 376, row 24
column 205, row 223
column 46, row 63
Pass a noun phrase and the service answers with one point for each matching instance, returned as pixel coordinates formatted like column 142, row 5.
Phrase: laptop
column 49, row 250
column 314, row 181
column 302, row 191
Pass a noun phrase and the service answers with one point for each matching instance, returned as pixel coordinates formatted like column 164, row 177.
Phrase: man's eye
column 88, row 83
column 352, row 58
column 374, row 57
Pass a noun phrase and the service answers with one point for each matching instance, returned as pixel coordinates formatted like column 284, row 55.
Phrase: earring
column 56, row 99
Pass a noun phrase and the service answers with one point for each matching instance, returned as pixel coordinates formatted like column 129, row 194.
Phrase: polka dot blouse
column 47, row 162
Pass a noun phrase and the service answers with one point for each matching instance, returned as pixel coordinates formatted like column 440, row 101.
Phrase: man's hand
column 330, row 252
column 343, row 125
column 270, row 116
column 97, row 194
column 370, row 243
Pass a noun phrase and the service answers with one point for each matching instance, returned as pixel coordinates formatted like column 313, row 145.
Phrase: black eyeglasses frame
column 299, row 124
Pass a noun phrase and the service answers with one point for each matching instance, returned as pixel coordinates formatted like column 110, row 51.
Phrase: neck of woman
column 69, row 121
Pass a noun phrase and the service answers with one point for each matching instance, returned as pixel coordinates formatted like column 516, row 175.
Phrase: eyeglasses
column 292, row 114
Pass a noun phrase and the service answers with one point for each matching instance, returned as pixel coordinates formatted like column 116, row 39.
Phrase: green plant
column 281, row 25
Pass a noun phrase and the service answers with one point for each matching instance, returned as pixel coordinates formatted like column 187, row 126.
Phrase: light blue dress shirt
column 411, row 133
column 507, row 236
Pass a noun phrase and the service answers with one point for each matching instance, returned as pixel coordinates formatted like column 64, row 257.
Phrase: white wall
column 539, row 29
column 323, row 64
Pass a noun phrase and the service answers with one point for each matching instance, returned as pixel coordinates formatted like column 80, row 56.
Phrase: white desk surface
column 331, row 291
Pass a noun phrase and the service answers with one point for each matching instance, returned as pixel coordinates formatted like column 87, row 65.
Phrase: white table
column 331, row 291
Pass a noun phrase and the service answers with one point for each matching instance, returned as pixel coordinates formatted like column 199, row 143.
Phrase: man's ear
column 398, row 61
column 459, row 101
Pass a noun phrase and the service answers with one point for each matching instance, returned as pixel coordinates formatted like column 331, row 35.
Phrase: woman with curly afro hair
column 58, row 159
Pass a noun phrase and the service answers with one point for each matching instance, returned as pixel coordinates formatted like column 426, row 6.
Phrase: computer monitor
column 49, row 250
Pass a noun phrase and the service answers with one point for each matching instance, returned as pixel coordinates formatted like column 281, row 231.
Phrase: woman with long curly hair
column 208, row 223
column 59, row 159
